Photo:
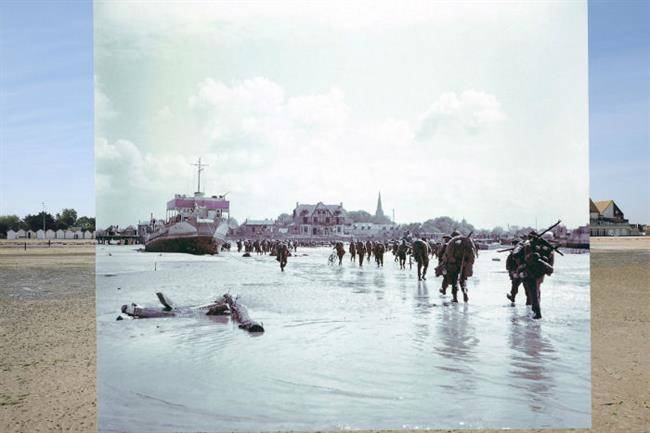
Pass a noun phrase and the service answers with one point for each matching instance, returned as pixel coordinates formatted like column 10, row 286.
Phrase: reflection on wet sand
column 457, row 342
column 344, row 347
column 529, row 356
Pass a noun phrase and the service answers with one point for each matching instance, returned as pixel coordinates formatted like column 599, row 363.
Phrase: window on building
column 327, row 219
column 305, row 220
column 315, row 219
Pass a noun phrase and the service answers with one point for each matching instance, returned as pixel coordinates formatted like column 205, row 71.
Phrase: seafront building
column 607, row 219
column 257, row 228
column 318, row 220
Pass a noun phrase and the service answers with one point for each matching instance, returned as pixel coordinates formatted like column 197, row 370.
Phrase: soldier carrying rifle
column 512, row 264
column 535, row 257
column 458, row 261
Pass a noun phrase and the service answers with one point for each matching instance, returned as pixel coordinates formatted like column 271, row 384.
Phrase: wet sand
column 47, row 338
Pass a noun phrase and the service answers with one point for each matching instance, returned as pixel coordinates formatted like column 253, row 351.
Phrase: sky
column 427, row 101
column 46, row 102
column 471, row 110
column 619, row 81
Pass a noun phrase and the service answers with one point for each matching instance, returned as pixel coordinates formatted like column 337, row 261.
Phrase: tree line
column 64, row 220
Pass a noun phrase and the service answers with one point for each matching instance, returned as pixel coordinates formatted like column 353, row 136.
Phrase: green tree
column 35, row 222
column 86, row 223
column 359, row 216
column 10, row 222
column 284, row 219
column 67, row 218
column 497, row 232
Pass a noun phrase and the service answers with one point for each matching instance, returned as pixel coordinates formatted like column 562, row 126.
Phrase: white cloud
column 323, row 101
column 471, row 111
column 104, row 109
column 260, row 141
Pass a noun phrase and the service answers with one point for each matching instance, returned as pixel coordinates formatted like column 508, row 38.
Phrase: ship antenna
column 199, row 170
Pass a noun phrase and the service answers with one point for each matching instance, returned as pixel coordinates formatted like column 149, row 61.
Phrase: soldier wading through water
column 421, row 256
column 340, row 251
column 458, row 262
column 361, row 252
column 379, row 249
column 440, row 269
column 535, row 258
column 512, row 265
column 281, row 255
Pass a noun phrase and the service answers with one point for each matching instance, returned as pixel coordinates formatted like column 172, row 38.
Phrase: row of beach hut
column 51, row 234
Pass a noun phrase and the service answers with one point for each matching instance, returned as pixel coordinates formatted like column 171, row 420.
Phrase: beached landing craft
column 193, row 225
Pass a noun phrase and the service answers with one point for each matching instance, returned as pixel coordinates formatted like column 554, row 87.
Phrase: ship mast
column 199, row 170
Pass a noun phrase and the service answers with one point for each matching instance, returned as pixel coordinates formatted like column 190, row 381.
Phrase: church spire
column 379, row 213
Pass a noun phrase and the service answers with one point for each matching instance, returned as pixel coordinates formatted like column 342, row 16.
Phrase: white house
column 50, row 234
column 607, row 219
column 70, row 234
column 11, row 234
column 60, row 234
column 88, row 234
column 40, row 234
column 371, row 230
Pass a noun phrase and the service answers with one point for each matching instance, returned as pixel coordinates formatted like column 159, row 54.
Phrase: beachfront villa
column 317, row 220
column 256, row 228
column 607, row 219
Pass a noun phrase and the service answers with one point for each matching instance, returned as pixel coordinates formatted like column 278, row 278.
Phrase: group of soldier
column 264, row 246
column 455, row 262
column 530, row 259
column 281, row 250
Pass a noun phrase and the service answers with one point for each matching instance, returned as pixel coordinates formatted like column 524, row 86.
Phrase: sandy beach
column 47, row 337
column 47, row 328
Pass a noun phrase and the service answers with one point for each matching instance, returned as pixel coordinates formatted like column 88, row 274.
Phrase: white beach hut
column 20, row 234
column 40, row 234
column 68, row 234
column 11, row 234
column 50, row 234
column 31, row 234
column 88, row 234
column 60, row 234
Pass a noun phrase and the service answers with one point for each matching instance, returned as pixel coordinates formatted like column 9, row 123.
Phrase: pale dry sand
column 47, row 338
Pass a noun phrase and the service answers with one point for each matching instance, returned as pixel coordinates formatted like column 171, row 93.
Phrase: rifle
column 541, row 239
column 550, row 228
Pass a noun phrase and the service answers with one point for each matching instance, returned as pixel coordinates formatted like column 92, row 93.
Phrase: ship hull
column 186, row 244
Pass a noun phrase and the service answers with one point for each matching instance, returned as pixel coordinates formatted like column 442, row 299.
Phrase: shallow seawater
column 344, row 347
